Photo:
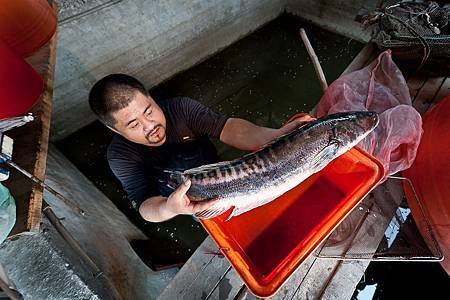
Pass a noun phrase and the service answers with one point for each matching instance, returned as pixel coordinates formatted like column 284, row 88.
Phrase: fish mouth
column 368, row 120
column 374, row 118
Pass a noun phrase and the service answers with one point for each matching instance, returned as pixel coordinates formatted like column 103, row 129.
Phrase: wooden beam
column 364, row 57
column 444, row 90
column 44, row 114
column 415, row 84
column 31, row 144
column 199, row 275
column 228, row 287
column 427, row 94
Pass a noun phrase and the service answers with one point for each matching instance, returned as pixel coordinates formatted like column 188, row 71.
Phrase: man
column 154, row 137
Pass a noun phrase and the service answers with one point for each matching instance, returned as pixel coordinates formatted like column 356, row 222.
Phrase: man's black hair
column 112, row 93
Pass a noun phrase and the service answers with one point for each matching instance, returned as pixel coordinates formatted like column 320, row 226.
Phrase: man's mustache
column 147, row 135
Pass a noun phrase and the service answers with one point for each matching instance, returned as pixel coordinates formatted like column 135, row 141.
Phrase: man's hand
column 297, row 122
column 179, row 204
column 159, row 208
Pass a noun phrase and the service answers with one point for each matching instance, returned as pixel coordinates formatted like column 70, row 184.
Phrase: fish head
column 367, row 120
column 176, row 178
column 350, row 128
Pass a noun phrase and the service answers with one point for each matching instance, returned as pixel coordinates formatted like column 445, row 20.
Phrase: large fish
column 260, row 177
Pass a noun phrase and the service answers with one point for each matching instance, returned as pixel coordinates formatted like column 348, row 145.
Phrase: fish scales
column 260, row 177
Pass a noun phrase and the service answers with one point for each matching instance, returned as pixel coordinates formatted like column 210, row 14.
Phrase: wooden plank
column 199, row 276
column 228, row 287
column 427, row 94
column 47, row 71
column 291, row 286
column 364, row 57
column 31, row 144
column 443, row 91
column 245, row 294
column 414, row 85
column 386, row 199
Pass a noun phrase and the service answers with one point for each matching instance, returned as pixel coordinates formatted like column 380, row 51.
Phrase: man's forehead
column 135, row 107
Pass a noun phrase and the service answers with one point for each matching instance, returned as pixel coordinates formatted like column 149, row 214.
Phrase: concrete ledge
column 104, row 233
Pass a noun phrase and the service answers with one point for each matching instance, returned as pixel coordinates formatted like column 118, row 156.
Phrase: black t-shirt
column 142, row 169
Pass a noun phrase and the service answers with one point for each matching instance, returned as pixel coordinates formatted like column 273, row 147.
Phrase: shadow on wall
column 66, row 113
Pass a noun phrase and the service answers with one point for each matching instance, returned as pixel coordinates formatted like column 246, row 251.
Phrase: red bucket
column 20, row 85
column 26, row 25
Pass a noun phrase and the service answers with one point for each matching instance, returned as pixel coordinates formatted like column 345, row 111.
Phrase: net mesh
column 417, row 33
column 382, row 228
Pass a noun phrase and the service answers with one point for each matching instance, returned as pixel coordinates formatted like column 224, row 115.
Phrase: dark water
column 404, row 280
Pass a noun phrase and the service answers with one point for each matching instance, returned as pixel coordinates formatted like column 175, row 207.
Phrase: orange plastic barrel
column 26, row 25
column 20, row 85
column 430, row 176
column 267, row 244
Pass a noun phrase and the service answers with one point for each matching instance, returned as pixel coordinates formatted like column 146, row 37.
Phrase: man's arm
column 245, row 135
column 159, row 208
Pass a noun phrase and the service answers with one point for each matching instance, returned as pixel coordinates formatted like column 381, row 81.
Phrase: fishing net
column 382, row 228
column 379, row 87
column 417, row 33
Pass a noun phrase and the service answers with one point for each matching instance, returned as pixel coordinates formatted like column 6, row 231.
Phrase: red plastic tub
column 267, row 244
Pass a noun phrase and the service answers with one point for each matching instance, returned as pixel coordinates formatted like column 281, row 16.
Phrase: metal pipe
column 36, row 180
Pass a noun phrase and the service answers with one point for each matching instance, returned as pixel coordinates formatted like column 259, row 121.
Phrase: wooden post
column 314, row 59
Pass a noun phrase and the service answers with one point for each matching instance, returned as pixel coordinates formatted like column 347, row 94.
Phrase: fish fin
column 236, row 212
column 326, row 153
column 240, row 210
column 211, row 212
column 207, row 167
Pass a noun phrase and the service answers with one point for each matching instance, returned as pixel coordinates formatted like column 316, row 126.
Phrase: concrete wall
column 152, row 40
column 334, row 15
column 104, row 233
column 39, row 269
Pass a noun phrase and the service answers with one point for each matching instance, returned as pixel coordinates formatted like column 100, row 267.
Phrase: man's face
column 142, row 121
